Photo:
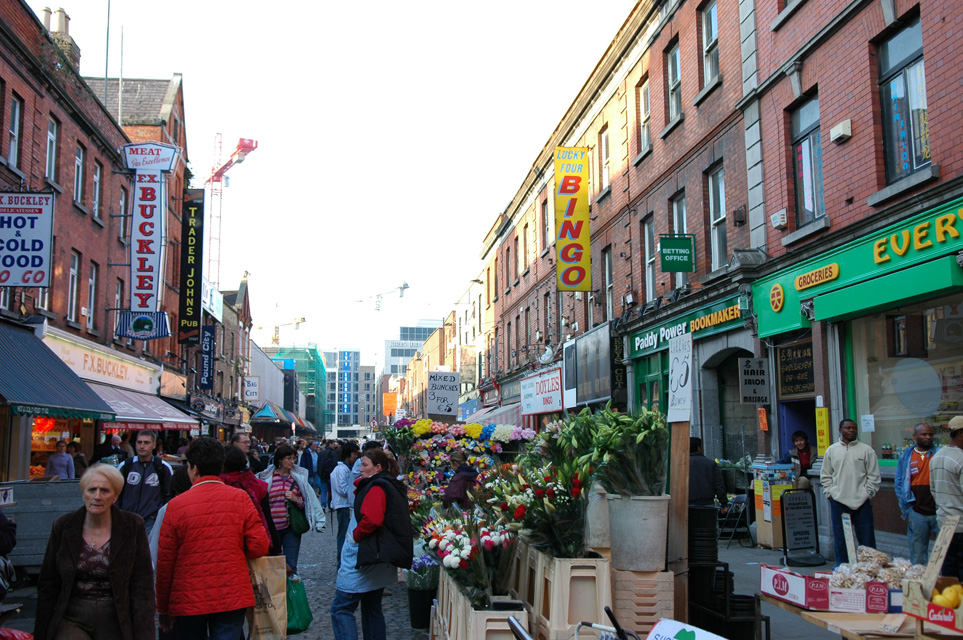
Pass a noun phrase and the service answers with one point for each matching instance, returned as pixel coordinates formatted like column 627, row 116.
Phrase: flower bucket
column 419, row 607
column 638, row 528
column 597, row 519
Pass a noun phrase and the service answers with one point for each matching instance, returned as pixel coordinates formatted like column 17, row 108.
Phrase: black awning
column 34, row 381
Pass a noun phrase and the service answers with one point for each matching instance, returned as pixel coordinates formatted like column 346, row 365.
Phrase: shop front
column 872, row 330
column 593, row 370
column 542, row 397
column 41, row 401
column 728, row 427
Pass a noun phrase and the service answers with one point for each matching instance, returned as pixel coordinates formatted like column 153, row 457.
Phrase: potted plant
column 630, row 459
column 422, row 580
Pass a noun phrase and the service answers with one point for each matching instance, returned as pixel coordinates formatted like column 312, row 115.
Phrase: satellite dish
column 547, row 356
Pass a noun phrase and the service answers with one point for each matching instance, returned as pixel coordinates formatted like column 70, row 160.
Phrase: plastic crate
column 493, row 625
column 534, row 567
column 519, row 577
column 642, row 598
column 573, row 590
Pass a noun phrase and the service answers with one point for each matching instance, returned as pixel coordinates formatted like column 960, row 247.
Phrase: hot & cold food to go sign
column 26, row 238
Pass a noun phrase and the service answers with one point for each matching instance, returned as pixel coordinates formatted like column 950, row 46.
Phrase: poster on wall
column 680, row 378
column 26, row 235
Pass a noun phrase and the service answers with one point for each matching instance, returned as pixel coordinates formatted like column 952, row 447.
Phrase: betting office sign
column 677, row 253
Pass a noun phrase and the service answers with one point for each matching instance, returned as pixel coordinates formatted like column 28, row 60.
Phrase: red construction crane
column 244, row 147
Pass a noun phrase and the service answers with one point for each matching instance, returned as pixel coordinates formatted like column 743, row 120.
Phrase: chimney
column 61, row 36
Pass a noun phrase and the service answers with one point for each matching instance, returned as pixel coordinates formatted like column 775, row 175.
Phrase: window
column 16, row 126
column 547, row 317
column 496, row 276
column 710, row 43
column 679, row 228
column 51, row 168
column 609, row 284
column 488, row 285
column 91, row 295
column 79, row 171
column 673, row 82
column 648, row 230
column 96, row 189
column 508, row 347
column 604, row 156
column 118, row 301
column 43, row 299
column 123, row 215
column 72, row 284
column 906, row 132
column 807, row 163
column 717, row 218
column 544, row 224
column 645, row 131
column 525, row 248
column 528, row 334
column 5, row 298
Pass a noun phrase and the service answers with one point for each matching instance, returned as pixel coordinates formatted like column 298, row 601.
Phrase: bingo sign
column 26, row 238
column 573, row 264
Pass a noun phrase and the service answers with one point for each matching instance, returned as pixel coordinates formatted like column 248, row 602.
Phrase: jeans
column 315, row 481
column 862, row 519
column 372, row 617
column 326, row 494
column 953, row 563
column 344, row 519
column 226, row 625
column 149, row 523
column 290, row 547
column 918, row 531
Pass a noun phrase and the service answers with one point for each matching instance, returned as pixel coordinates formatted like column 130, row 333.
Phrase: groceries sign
column 26, row 238
column 573, row 263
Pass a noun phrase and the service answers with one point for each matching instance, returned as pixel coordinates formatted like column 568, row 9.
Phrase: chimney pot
column 63, row 21
column 46, row 18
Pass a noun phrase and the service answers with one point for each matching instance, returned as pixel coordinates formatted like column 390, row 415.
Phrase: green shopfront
column 872, row 330
column 719, row 339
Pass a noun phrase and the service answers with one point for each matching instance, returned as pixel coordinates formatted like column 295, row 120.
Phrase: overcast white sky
column 390, row 136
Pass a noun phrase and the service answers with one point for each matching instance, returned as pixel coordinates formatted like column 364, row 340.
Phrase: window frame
column 717, row 217
column 123, row 204
column 545, row 224
column 92, row 296
column 902, row 70
column 53, row 148
column 524, row 255
column 673, row 93
column 96, row 189
column 649, row 255
column 604, row 157
column 710, row 45
column 80, row 173
column 73, row 286
column 609, row 283
column 15, row 131
column 806, row 136
column 645, row 117
column 681, row 278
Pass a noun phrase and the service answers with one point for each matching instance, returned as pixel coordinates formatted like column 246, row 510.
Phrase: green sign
column 913, row 242
column 710, row 320
column 677, row 253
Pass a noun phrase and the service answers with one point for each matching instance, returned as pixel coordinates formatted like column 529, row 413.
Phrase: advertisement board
column 192, row 264
column 205, row 377
column 442, row 393
column 26, row 239
column 680, row 379
column 252, row 391
column 572, row 201
column 542, row 392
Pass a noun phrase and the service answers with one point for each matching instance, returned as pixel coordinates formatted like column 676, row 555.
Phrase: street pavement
column 316, row 564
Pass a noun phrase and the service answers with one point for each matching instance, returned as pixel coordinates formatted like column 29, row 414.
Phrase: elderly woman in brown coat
column 96, row 580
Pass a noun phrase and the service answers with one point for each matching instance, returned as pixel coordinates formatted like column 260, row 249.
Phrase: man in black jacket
column 705, row 479
column 147, row 481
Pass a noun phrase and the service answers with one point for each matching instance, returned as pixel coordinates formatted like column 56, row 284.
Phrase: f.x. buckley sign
column 149, row 161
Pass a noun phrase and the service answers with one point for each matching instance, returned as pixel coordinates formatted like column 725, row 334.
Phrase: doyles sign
column 26, row 239
column 251, row 389
column 442, row 393
column 573, row 268
column 149, row 161
column 542, row 393
column 680, row 379
column 754, row 380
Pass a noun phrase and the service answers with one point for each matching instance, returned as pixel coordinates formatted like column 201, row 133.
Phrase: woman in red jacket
column 209, row 532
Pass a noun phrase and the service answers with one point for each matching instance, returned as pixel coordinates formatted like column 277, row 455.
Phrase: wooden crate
column 642, row 598
column 573, row 590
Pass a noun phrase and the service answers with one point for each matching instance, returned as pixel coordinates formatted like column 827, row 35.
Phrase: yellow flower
column 473, row 430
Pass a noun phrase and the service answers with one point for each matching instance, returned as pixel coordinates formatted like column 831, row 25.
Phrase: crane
column 379, row 296
column 276, row 338
column 218, row 174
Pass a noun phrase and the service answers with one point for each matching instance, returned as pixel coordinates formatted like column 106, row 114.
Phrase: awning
column 270, row 413
column 479, row 415
column 306, row 425
column 34, row 381
column 139, row 411
column 508, row 414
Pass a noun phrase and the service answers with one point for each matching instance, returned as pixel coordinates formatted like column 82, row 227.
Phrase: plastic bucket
column 597, row 519
column 638, row 527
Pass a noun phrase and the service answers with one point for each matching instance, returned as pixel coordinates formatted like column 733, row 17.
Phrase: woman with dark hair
column 801, row 457
column 286, row 483
column 461, row 482
column 380, row 542
column 236, row 474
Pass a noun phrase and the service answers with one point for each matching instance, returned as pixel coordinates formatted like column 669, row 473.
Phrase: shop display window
column 908, row 368
column 46, row 432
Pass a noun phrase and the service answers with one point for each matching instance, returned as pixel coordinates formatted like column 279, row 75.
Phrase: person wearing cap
column 946, row 485
column 850, row 479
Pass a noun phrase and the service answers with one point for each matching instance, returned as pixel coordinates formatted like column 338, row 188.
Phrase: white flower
column 465, row 553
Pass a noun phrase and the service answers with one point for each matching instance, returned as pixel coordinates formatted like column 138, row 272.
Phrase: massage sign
column 573, row 264
column 149, row 162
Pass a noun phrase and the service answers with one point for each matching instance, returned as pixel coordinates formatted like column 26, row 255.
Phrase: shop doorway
column 740, row 433
column 796, row 415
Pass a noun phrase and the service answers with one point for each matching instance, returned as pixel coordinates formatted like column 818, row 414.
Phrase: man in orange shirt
column 913, row 492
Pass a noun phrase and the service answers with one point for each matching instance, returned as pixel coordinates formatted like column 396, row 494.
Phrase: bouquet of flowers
column 424, row 573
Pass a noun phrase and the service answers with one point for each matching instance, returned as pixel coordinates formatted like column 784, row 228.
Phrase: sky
column 390, row 136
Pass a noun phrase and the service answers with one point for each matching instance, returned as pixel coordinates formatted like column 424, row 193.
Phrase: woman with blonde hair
column 96, row 580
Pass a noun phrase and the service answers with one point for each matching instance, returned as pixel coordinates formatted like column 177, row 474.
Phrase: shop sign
column 192, row 264
column 823, row 436
column 511, row 391
column 490, row 397
column 99, row 365
column 211, row 300
column 797, row 377
column 442, row 393
column 677, row 253
column 572, row 200
column 143, row 325
column 754, row 380
column 206, row 374
column 542, row 393
column 252, row 391
column 389, row 404
column 593, row 369
column 680, row 379
column 715, row 318
column 26, row 239
column 924, row 237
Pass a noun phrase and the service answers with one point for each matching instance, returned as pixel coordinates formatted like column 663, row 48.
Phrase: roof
column 34, row 381
column 146, row 102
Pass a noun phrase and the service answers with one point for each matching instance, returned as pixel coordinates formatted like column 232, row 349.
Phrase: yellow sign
column 777, row 297
column 817, row 276
column 823, row 439
column 573, row 256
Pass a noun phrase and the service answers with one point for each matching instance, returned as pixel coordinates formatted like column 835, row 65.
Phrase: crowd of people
column 173, row 542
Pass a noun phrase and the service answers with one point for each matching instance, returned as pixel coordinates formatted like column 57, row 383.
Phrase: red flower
column 548, row 478
column 576, row 482
column 520, row 512
column 463, row 564
column 576, row 492
column 539, row 493
column 503, row 506
column 551, row 492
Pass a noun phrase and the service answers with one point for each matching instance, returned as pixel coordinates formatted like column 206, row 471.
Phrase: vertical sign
column 823, row 440
column 680, row 378
column 149, row 162
column 207, row 358
column 26, row 236
column 192, row 261
column 754, row 380
column 252, row 392
column 573, row 257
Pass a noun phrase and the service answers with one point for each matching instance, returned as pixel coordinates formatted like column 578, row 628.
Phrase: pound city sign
column 26, row 238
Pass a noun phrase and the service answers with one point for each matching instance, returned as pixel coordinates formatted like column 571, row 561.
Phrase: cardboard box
column 916, row 593
column 874, row 598
column 895, row 601
column 807, row 592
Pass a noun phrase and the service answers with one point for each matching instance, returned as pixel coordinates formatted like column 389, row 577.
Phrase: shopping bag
column 268, row 618
column 299, row 611
column 297, row 518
